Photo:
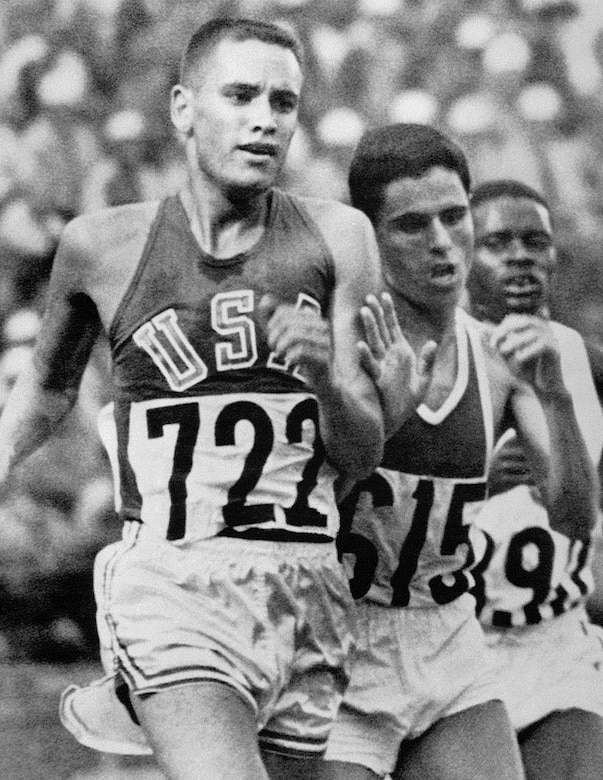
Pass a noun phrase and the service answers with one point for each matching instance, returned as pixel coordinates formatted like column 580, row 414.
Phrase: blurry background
column 84, row 123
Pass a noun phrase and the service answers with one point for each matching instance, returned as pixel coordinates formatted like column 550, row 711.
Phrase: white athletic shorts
column 411, row 667
column 272, row 620
column 554, row 665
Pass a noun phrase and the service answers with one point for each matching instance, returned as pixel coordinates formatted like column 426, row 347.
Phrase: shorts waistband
column 269, row 522
column 275, row 544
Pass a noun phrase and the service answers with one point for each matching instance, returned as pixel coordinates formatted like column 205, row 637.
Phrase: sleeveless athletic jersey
column 214, row 434
column 405, row 524
column 525, row 572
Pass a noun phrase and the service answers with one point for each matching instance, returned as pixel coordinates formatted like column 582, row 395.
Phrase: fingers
column 380, row 322
column 284, row 321
column 390, row 317
column 266, row 308
column 530, row 349
column 519, row 329
column 299, row 336
column 513, row 463
column 385, row 316
column 518, row 471
column 528, row 363
column 511, row 448
column 368, row 362
column 513, row 342
column 512, row 323
column 518, row 322
column 372, row 333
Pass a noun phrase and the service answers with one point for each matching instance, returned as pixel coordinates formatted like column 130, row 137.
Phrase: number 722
column 186, row 416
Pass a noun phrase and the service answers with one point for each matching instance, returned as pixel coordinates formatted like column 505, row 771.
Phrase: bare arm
column 547, row 425
column 351, row 413
column 47, row 389
column 509, row 466
column 351, row 422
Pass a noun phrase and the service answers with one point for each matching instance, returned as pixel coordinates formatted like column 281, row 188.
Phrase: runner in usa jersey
column 216, row 433
column 406, row 522
column 423, row 687
column 533, row 579
column 232, row 312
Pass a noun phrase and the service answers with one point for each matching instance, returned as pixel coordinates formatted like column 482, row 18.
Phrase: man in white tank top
column 532, row 581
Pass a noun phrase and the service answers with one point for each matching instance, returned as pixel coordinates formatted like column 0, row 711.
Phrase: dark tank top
column 206, row 417
column 408, row 524
column 214, row 302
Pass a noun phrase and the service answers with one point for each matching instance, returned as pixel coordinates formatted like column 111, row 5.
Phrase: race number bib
column 231, row 461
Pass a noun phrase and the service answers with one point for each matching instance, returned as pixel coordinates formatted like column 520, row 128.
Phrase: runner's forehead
column 253, row 63
column 436, row 190
column 516, row 215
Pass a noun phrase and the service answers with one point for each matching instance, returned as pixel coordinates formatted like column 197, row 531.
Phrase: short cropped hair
column 235, row 29
column 398, row 151
column 501, row 188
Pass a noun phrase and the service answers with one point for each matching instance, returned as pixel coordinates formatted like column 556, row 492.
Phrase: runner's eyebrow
column 246, row 87
column 509, row 235
column 282, row 95
column 416, row 221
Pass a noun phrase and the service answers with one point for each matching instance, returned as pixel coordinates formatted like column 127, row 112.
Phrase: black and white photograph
column 301, row 390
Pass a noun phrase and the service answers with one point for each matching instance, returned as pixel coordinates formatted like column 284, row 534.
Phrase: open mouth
column 523, row 290
column 443, row 272
column 260, row 150
column 522, row 285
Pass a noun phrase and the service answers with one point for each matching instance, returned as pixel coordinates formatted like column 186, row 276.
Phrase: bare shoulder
column 350, row 237
column 99, row 252
column 100, row 234
column 338, row 221
column 326, row 211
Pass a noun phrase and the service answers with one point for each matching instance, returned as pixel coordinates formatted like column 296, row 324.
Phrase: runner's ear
column 181, row 109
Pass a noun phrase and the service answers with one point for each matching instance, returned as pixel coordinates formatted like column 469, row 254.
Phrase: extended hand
column 401, row 377
column 529, row 347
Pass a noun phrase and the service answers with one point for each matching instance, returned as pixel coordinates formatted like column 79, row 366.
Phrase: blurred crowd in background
column 84, row 124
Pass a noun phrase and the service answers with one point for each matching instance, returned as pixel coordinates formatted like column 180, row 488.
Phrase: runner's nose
column 262, row 114
column 439, row 235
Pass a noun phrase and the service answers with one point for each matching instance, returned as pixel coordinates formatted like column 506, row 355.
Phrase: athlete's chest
column 187, row 318
column 445, row 376
column 450, row 435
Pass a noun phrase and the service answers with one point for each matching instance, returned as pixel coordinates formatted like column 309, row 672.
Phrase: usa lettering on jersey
column 208, row 464
column 167, row 345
